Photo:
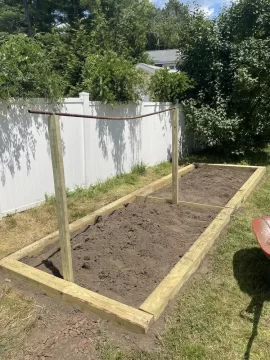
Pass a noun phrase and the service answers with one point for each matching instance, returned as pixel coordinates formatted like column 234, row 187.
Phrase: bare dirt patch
column 126, row 254
column 208, row 185
column 62, row 332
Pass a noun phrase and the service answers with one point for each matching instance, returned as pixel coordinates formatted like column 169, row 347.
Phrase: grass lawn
column 224, row 314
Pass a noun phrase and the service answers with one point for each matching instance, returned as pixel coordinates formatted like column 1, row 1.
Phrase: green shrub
column 25, row 70
column 112, row 79
column 211, row 125
column 169, row 87
column 229, row 59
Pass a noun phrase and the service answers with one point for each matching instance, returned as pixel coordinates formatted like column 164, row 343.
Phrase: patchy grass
column 224, row 314
column 139, row 169
column 17, row 316
column 20, row 230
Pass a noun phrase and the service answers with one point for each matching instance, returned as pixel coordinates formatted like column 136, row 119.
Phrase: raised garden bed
column 143, row 251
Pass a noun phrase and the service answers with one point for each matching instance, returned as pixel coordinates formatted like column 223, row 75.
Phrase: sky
column 210, row 7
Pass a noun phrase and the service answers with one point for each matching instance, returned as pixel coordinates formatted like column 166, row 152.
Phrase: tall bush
column 112, row 79
column 166, row 86
column 26, row 71
column 229, row 58
column 211, row 125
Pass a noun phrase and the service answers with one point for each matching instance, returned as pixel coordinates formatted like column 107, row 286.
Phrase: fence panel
column 25, row 161
column 94, row 150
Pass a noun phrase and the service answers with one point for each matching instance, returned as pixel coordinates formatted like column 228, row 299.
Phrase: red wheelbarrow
column 261, row 228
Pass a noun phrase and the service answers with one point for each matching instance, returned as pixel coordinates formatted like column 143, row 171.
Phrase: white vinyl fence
column 94, row 150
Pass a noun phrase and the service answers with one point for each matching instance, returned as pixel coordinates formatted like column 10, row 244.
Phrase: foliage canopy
column 94, row 45
column 228, row 57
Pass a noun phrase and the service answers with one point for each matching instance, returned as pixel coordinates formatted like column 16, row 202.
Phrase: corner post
column 60, row 195
column 175, row 154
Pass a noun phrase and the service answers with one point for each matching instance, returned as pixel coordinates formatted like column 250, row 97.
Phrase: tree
column 212, row 126
column 203, row 56
column 228, row 58
column 35, row 16
column 166, row 25
column 251, row 61
column 111, row 79
column 27, row 18
column 25, row 70
column 67, row 51
column 245, row 19
column 11, row 18
column 121, row 26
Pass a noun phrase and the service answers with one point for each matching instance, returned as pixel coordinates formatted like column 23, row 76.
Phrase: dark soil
column 126, row 254
column 208, row 185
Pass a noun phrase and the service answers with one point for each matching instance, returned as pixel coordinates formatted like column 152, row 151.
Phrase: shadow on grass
column 252, row 272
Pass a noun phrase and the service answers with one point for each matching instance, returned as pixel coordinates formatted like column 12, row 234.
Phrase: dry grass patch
column 17, row 316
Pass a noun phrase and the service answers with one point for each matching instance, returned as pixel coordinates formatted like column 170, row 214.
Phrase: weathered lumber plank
column 232, row 166
column 183, row 203
column 132, row 319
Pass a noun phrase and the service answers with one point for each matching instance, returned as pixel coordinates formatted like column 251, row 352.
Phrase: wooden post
column 60, row 195
column 175, row 154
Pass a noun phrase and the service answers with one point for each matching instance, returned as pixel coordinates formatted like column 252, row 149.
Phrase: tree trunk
column 27, row 18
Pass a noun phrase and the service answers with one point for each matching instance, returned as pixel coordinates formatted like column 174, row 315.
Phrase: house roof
column 163, row 56
column 152, row 68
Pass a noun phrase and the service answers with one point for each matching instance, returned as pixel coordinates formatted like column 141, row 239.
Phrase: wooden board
column 141, row 198
column 232, row 166
column 132, row 319
column 144, row 199
column 252, row 182
column 198, row 205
